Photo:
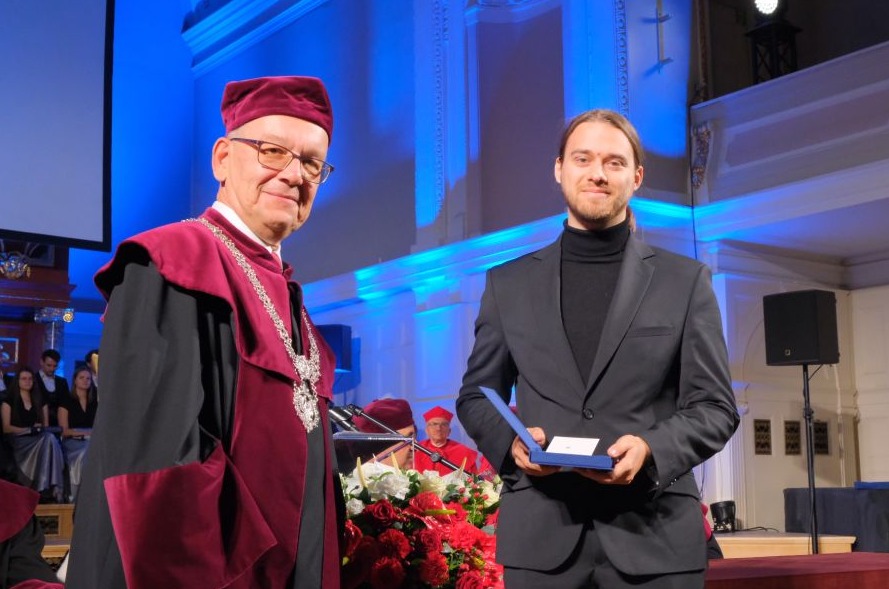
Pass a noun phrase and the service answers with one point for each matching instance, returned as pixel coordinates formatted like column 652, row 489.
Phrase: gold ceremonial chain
column 305, row 396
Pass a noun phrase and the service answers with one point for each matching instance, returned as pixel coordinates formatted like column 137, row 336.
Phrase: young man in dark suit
column 601, row 336
column 53, row 388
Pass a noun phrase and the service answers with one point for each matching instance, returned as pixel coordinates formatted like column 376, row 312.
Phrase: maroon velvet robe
column 21, row 541
column 196, row 473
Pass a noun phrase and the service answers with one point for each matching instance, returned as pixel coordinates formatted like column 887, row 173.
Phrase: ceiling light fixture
column 767, row 7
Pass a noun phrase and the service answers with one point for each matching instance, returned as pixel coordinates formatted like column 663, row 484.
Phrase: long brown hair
column 91, row 391
column 15, row 393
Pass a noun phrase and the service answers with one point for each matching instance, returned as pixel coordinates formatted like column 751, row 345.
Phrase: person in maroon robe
column 210, row 462
column 396, row 414
column 21, row 536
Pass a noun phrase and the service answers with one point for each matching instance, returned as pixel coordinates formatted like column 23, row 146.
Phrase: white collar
column 232, row 217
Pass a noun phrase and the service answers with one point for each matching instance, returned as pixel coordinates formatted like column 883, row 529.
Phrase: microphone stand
column 342, row 417
column 810, row 459
column 433, row 456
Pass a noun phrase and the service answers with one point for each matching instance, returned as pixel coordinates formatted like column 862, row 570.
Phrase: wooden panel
column 29, row 337
column 57, row 520
column 753, row 544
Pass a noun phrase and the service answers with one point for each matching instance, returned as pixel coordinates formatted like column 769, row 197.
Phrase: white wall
column 870, row 323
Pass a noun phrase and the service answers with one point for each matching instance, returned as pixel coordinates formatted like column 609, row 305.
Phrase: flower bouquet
column 409, row 530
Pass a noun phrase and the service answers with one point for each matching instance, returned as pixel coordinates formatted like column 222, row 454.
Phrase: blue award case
column 538, row 454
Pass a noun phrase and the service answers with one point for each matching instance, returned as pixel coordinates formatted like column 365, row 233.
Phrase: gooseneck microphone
column 434, row 456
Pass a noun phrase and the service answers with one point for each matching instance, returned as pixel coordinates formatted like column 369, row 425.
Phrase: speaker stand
column 810, row 458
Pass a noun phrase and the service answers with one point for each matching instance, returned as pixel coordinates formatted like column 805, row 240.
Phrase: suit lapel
column 547, row 309
column 632, row 284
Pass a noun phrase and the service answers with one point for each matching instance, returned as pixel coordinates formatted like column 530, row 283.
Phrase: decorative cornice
column 237, row 25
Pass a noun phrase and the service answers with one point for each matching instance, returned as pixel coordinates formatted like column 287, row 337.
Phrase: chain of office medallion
column 305, row 396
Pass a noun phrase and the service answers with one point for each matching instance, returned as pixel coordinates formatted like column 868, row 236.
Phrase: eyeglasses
column 276, row 157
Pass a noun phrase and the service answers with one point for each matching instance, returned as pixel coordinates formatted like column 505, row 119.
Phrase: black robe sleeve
column 20, row 557
column 169, row 366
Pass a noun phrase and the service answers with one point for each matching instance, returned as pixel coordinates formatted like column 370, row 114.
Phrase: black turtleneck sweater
column 590, row 267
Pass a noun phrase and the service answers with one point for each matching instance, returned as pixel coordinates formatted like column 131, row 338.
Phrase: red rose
column 427, row 501
column 491, row 520
column 428, row 508
column 351, row 538
column 394, row 543
column 470, row 580
column 428, row 541
column 382, row 514
column 387, row 573
column 434, row 570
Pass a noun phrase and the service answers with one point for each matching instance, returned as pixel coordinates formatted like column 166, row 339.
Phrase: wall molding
column 238, row 25
column 506, row 11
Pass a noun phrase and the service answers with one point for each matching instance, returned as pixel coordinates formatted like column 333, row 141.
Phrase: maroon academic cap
column 396, row 413
column 295, row 96
column 438, row 412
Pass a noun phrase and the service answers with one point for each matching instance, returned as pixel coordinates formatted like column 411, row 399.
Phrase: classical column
column 595, row 56
column 446, row 123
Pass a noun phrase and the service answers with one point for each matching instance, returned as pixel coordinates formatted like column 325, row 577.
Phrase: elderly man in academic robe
column 438, row 428
column 210, row 461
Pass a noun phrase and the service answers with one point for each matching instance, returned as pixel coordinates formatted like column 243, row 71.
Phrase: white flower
column 432, row 482
column 455, row 477
column 490, row 490
column 354, row 507
column 388, row 484
column 374, row 469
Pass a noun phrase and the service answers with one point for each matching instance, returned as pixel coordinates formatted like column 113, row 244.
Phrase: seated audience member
column 76, row 416
column 397, row 414
column 53, row 388
column 438, row 428
column 37, row 451
column 21, row 536
column 92, row 361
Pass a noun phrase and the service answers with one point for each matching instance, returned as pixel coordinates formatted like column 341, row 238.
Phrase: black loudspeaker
column 339, row 338
column 801, row 328
column 723, row 516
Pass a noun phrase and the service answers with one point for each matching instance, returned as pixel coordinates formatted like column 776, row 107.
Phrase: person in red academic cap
column 397, row 415
column 438, row 428
column 210, row 460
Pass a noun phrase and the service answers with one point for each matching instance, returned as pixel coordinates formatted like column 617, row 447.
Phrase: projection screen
column 55, row 121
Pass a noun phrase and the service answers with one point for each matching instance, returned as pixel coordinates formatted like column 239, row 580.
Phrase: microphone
column 434, row 456
column 342, row 416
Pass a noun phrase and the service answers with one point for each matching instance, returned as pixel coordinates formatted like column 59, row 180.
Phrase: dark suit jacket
column 661, row 372
column 55, row 398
